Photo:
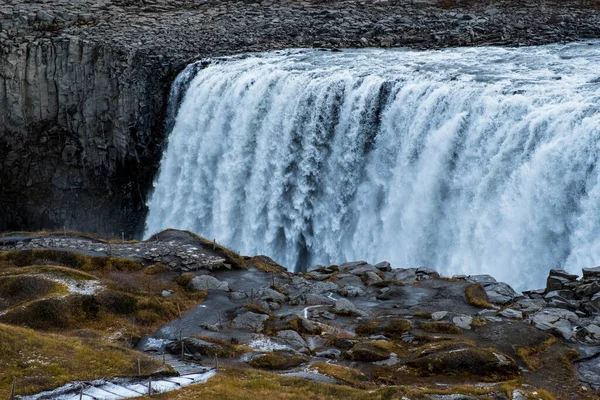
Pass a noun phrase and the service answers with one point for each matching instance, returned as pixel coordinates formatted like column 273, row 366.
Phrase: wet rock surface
column 409, row 327
column 83, row 84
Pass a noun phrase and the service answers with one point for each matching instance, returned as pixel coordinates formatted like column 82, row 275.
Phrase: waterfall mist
column 473, row 160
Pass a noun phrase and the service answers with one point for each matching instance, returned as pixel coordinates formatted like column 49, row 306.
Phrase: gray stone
column 481, row 279
column 207, row 282
column 250, row 321
column 372, row 278
column 591, row 273
column 500, row 292
column 438, row 315
column 346, row 307
column 563, row 274
column 383, row 266
column 351, row 291
column 510, row 313
column 291, row 338
column 463, row 321
column 332, row 353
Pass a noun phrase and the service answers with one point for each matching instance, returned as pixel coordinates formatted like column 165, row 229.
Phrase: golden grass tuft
column 476, row 295
column 439, row 327
column 347, row 375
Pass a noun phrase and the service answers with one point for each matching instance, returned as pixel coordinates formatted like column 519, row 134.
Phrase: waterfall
column 471, row 160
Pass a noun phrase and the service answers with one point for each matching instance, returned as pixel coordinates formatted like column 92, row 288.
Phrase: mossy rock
column 278, row 360
column 368, row 352
column 483, row 363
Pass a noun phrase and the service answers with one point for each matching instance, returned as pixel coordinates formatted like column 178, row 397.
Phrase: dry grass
column 244, row 384
column 44, row 361
column 476, row 295
column 439, row 327
column 265, row 264
column 347, row 375
column 531, row 354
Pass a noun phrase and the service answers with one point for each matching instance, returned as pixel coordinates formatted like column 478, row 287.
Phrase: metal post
column 81, row 392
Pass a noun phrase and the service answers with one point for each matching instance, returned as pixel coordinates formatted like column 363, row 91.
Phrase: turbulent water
column 473, row 160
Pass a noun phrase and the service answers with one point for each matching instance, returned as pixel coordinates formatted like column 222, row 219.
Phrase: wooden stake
column 150, row 386
column 139, row 367
column 214, row 244
column 178, row 310
column 12, row 389
column 164, row 358
column 81, row 393
column 181, row 342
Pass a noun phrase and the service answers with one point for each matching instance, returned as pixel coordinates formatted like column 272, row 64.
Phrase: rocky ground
column 84, row 83
column 370, row 327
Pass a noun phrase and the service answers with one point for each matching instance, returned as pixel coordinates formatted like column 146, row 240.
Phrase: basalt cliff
column 84, row 84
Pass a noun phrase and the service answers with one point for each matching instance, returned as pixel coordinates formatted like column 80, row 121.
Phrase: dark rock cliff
column 83, row 84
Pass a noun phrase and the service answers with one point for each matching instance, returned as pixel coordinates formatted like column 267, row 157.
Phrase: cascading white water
column 473, row 160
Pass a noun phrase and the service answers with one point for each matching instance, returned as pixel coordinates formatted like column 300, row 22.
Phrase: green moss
column 22, row 258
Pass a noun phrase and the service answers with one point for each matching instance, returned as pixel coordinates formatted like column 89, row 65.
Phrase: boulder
column 207, row 282
column 351, row 291
column 555, row 320
column 463, row 321
column 591, row 273
column 555, row 283
column 250, row 321
column 587, row 289
column 529, row 305
column 311, row 299
column 368, row 352
column 332, row 354
column 500, row 292
column 407, row 276
column 195, row 346
column 292, row 339
column 383, row 266
column 371, row 278
column 563, row 274
column 438, row 315
column 278, row 360
column 481, row 279
column 511, row 314
column 268, row 294
column 346, row 307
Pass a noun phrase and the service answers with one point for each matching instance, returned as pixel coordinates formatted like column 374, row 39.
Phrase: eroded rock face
column 83, row 84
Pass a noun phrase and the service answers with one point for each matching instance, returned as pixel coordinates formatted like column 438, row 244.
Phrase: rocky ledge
column 403, row 331
column 83, row 84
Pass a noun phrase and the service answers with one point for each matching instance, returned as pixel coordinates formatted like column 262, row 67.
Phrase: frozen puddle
column 120, row 388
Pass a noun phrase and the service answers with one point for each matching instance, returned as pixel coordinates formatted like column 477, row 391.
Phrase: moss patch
column 277, row 360
column 439, row 327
